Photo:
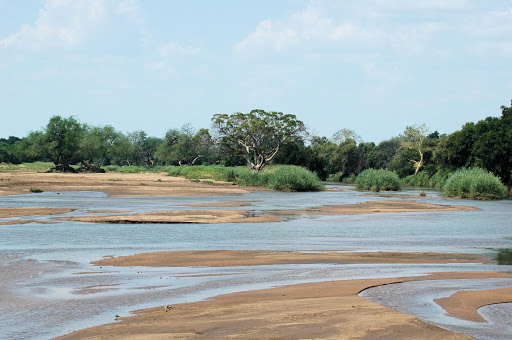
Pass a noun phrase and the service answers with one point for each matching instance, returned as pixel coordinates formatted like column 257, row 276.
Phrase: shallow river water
column 48, row 287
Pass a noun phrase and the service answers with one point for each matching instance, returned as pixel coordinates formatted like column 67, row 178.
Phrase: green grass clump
column 294, row 178
column 36, row 190
column 377, row 180
column 276, row 177
column 474, row 183
column 425, row 179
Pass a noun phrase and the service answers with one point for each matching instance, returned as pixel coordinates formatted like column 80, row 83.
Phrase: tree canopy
column 258, row 135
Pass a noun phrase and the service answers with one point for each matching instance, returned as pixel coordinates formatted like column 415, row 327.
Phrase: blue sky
column 373, row 66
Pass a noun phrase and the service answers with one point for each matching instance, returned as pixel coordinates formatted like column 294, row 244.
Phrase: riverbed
column 49, row 288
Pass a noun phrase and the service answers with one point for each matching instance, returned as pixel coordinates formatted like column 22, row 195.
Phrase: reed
column 474, row 183
column 377, row 180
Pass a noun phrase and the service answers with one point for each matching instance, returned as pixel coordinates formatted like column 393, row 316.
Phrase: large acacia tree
column 259, row 135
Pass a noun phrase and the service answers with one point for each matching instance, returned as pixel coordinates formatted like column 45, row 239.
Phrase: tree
column 184, row 146
column 8, row 149
column 414, row 139
column 345, row 134
column 381, row 156
column 59, row 142
column 144, row 148
column 259, row 135
column 104, row 145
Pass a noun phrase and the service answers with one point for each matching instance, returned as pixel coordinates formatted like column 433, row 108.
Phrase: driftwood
column 90, row 168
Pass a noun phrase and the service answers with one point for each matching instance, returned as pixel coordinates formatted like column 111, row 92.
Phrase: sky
column 372, row 66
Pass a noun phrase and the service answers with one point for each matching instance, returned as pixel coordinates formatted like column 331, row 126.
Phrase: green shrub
column 377, row 180
column 474, row 183
column 36, row 190
column 276, row 177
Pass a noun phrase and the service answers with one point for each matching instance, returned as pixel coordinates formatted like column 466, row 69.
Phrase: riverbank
column 116, row 184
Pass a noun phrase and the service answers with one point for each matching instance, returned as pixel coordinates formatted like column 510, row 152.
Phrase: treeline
column 417, row 156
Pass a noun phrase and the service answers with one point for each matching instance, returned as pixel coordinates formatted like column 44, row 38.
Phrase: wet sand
column 229, row 258
column 326, row 310
column 19, row 212
column 465, row 304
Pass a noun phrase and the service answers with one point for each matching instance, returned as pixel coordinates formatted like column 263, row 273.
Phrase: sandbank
column 465, row 304
column 229, row 258
column 31, row 211
column 325, row 310
column 177, row 217
column 17, row 182
column 371, row 207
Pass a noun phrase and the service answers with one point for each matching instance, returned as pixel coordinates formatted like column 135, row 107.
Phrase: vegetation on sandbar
column 474, row 184
column 377, row 180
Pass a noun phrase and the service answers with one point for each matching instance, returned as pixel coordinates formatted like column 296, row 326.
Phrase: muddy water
column 48, row 287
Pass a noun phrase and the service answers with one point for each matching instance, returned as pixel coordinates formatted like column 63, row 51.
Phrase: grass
column 276, row 177
column 474, row 183
column 36, row 166
column 425, row 179
column 377, row 180
column 36, row 190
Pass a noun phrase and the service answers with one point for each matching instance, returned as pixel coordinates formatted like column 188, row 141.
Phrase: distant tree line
column 251, row 139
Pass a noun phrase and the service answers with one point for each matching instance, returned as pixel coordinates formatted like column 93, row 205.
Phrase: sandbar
column 229, row 258
column 32, row 211
column 371, row 207
column 325, row 310
column 178, row 217
column 465, row 304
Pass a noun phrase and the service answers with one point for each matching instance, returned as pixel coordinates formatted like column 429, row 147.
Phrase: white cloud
column 308, row 28
column 403, row 27
column 70, row 24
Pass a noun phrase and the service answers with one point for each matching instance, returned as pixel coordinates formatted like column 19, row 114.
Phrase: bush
column 475, row 183
column 276, row 177
column 377, row 180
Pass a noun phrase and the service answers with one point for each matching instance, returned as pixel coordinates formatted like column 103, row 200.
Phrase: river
column 49, row 288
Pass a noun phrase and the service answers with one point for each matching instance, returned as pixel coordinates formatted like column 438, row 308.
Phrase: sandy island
column 230, row 258
column 371, row 207
column 465, row 304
